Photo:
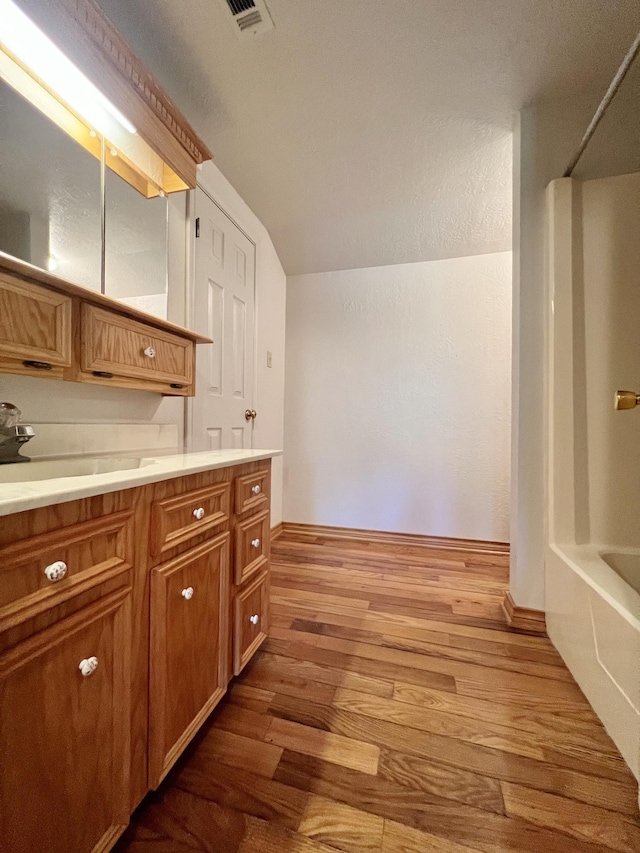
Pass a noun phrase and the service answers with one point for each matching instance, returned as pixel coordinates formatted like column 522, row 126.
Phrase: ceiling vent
column 248, row 17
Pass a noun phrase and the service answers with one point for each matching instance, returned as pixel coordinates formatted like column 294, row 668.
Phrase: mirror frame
column 89, row 39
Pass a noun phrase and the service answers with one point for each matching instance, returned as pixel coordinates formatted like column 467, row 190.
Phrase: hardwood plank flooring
column 392, row 710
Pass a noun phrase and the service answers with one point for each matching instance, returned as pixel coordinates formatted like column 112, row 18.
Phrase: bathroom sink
column 76, row 467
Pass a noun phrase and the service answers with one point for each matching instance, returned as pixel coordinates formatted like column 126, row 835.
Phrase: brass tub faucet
column 626, row 400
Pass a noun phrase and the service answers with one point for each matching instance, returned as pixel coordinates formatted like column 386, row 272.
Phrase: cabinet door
column 251, row 620
column 188, row 665
column 35, row 323
column 64, row 733
column 117, row 345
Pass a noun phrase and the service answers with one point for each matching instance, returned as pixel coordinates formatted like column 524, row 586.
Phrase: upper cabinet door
column 188, row 653
column 125, row 347
column 223, row 310
column 35, row 323
column 64, row 733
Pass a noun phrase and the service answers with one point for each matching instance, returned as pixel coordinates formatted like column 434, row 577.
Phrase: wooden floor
column 392, row 710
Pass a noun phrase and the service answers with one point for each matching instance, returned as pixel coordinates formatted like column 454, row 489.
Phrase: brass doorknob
column 250, row 415
column 626, row 400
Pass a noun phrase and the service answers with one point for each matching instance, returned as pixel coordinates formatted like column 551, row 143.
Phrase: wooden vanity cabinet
column 65, row 645
column 159, row 606
column 250, row 590
column 52, row 328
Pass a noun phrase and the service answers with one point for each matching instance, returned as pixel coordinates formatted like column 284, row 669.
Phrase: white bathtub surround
column 397, row 404
column 626, row 564
column 545, row 137
column 17, row 497
column 593, row 619
column 593, row 611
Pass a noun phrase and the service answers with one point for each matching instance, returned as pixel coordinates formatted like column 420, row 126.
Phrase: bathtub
column 593, row 619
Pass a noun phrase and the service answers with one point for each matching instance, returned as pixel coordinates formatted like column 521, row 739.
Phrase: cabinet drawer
column 251, row 620
column 251, row 552
column 64, row 738
column 188, row 660
column 178, row 519
column 43, row 571
column 35, row 323
column 250, row 492
column 113, row 344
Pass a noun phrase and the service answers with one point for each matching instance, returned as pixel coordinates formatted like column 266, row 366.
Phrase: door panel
column 188, row 658
column 64, row 738
column 251, row 620
column 224, row 310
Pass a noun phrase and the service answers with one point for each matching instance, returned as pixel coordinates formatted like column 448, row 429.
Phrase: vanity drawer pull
column 254, row 619
column 199, row 513
column 255, row 490
column 150, row 352
column 103, row 374
column 255, row 543
column 177, row 385
column 38, row 365
column 187, row 593
column 56, row 571
column 88, row 665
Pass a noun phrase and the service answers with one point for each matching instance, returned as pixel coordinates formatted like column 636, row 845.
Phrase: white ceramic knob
column 150, row 352
column 254, row 619
column 198, row 513
column 88, row 665
column 256, row 489
column 187, row 593
column 255, row 543
column 56, row 571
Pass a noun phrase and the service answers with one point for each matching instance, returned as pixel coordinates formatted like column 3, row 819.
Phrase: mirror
column 51, row 208
column 135, row 246
column 50, row 194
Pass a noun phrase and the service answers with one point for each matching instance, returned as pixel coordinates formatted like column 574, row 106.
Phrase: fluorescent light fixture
column 21, row 37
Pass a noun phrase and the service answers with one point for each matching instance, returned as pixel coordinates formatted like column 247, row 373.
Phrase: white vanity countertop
column 20, row 496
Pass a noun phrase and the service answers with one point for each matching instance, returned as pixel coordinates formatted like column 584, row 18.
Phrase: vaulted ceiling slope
column 370, row 132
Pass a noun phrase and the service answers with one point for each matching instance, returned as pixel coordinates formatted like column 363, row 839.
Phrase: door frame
column 190, row 293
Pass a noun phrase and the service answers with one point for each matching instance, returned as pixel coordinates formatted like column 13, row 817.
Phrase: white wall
column 53, row 401
column 397, row 405
column 270, row 321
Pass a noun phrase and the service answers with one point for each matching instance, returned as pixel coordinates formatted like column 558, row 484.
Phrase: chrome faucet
column 13, row 434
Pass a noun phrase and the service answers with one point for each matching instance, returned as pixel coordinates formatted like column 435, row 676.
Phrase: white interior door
column 224, row 309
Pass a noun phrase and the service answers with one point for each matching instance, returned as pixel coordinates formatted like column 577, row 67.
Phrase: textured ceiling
column 369, row 132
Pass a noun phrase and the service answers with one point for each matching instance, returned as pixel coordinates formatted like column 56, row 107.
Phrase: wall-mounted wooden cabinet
column 122, row 621
column 49, row 327
column 35, row 325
